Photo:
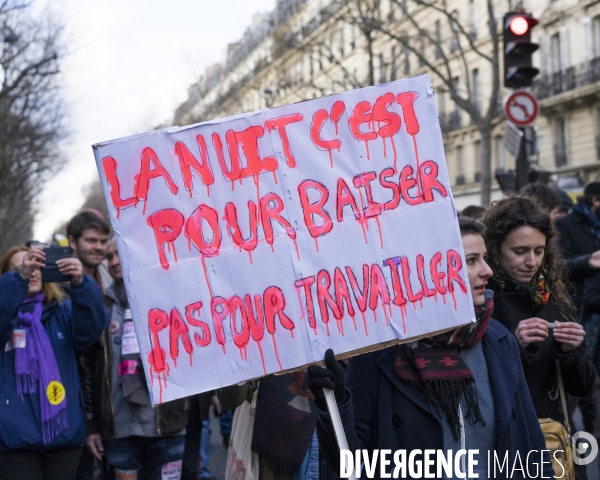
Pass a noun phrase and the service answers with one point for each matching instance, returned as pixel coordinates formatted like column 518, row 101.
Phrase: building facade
column 305, row 49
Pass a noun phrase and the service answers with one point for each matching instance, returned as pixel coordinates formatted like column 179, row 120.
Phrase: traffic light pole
column 522, row 162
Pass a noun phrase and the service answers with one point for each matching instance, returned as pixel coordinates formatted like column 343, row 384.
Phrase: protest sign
column 250, row 245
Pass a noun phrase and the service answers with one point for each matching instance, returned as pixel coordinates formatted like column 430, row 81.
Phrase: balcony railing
column 450, row 121
column 551, row 84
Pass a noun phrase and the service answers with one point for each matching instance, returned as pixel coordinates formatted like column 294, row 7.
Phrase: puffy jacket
column 577, row 241
column 171, row 417
column 382, row 412
column 72, row 327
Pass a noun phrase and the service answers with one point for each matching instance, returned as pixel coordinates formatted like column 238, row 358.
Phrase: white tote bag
column 242, row 462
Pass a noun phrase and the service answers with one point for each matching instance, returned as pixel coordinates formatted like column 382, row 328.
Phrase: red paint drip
column 250, row 255
column 395, row 156
column 365, row 323
column 317, row 244
column 300, row 303
column 375, row 315
column 190, row 359
column 384, row 147
column 403, row 313
column 208, row 190
column 276, row 354
column 144, row 210
column 453, row 299
column 367, row 147
column 275, row 177
column 353, row 317
column 414, row 137
column 380, row 234
column 387, row 318
column 330, row 159
column 262, row 357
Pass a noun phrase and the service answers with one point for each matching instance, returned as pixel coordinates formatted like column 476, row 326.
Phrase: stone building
column 305, row 49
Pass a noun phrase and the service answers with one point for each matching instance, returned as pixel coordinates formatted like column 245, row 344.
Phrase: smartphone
column 50, row 272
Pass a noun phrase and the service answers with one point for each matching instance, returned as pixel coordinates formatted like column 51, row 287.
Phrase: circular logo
column 55, row 392
column 586, row 450
column 117, row 340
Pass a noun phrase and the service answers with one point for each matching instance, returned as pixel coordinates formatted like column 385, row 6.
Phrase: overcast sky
column 129, row 67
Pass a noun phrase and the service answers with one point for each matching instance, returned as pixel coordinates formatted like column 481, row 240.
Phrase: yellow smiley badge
column 55, row 392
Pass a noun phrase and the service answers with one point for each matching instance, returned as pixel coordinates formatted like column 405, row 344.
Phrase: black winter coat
column 382, row 412
column 577, row 241
column 539, row 358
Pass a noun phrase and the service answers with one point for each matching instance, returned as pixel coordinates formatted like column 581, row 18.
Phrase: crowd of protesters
column 74, row 403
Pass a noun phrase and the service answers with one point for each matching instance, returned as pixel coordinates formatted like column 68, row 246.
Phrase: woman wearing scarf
column 464, row 389
column 42, row 427
column 529, row 294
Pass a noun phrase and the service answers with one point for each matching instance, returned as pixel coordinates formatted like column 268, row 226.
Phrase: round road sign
column 521, row 107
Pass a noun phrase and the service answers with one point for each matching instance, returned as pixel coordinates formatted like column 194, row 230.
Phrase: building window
column 555, row 53
column 406, row 61
column 560, row 142
column 473, row 19
column 438, row 40
column 596, row 36
column 477, row 150
column 475, row 90
column 460, row 167
column 382, row 69
column 598, row 133
column 393, row 64
column 500, row 160
column 422, row 53
column 342, row 42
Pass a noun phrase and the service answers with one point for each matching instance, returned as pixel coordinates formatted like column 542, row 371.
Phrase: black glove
column 331, row 376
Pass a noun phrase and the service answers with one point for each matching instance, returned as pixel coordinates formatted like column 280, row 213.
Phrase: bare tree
column 31, row 116
column 445, row 56
column 429, row 30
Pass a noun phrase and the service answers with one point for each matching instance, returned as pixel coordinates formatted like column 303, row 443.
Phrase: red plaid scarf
column 435, row 366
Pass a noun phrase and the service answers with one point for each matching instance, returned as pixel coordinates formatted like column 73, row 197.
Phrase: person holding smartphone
column 42, row 425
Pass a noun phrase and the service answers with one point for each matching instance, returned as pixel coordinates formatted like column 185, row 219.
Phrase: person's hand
column 94, row 444
column 34, row 259
column 594, row 260
column 531, row 330
column 331, row 376
column 217, row 409
column 569, row 334
column 71, row 267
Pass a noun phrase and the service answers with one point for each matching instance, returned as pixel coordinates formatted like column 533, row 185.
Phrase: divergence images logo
column 586, row 450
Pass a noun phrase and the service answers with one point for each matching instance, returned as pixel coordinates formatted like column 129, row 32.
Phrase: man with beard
column 138, row 440
column 88, row 234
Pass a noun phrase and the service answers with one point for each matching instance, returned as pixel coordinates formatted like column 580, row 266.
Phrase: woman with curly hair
column 530, row 298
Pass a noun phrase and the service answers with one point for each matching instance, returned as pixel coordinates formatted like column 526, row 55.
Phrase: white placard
column 250, row 245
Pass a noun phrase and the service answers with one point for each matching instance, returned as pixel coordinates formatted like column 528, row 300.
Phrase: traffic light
column 518, row 71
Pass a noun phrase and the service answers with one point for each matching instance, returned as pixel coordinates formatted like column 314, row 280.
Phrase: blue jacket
column 385, row 413
column 72, row 327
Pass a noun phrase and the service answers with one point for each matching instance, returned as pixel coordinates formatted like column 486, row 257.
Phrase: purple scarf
column 30, row 372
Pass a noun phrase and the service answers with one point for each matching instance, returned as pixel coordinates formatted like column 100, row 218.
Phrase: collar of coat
column 503, row 368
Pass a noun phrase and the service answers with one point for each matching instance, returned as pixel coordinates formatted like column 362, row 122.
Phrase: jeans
column 205, row 450
column 154, row 458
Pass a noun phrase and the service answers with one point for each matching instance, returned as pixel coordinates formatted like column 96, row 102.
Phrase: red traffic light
column 519, row 26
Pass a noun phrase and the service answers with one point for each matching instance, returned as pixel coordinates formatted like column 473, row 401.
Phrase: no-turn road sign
column 521, row 107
